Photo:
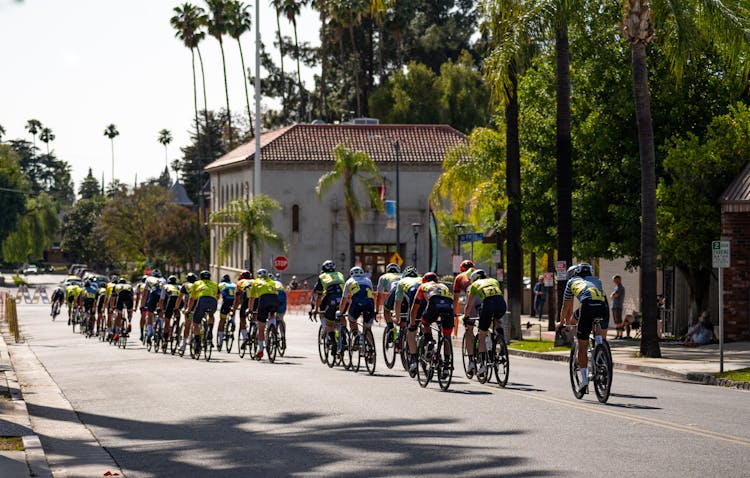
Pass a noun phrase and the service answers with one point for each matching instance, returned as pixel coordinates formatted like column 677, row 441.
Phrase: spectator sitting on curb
column 700, row 333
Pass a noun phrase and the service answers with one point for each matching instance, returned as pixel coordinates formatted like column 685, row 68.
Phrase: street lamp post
column 397, row 148
column 415, row 229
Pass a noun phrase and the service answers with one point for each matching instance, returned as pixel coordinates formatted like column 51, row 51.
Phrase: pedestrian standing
column 618, row 299
column 540, row 295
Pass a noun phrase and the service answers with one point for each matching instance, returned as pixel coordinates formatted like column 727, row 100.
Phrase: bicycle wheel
column 156, row 339
column 149, row 341
column 253, row 342
column 272, row 343
column 425, row 362
column 331, row 353
column 229, row 335
column 501, row 362
column 122, row 341
column 355, row 356
column 404, row 349
column 465, row 357
column 243, row 344
column 208, row 342
column 602, row 373
column 195, row 347
column 371, row 354
column 346, row 358
column 575, row 378
column 445, row 364
column 389, row 346
column 174, row 339
column 322, row 344
column 282, row 338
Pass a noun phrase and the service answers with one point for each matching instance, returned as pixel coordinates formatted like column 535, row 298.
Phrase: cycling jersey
column 407, row 288
column 386, row 280
column 584, row 289
column 228, row 290
column 282, row 297
column 262, row 286
column 155, row 284
column 89, row 293
column 462, row 282
column 330, row 283
column 359, row 289
column 170, row 290
column 484, row 288
column 204, row 288
column 109, row 287
column 72, row 292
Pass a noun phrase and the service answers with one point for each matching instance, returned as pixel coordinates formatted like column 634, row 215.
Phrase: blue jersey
column 282, row 297
column 359, row 289
column 228, row 290
column 90, row 292
column 584, row 289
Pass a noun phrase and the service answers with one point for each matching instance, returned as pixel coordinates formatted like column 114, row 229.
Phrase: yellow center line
column 647, row 421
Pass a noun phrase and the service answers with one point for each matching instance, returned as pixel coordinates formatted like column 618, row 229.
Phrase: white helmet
column 356, row 271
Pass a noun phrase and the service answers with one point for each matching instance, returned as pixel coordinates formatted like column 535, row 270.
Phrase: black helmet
column 584, row 269
column 328, row 266
column 156, row 273
column 225, row 278
column 246, row 275
column 122, row 281
column 172, row 279
column 394, row 268
column 191, row 277
column 87, row 283
column 205, row 275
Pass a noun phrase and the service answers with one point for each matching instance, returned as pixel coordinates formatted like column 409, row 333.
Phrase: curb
column 36, row 459
column 707, row 379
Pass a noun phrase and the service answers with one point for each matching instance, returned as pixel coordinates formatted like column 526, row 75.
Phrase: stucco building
column 295, row 157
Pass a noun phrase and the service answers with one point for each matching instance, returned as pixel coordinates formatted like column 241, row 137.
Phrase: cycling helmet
column 261, row 273
column 87, row 283
column 122, row 281
column 478, row 274
column 191, row 277
column 246, row 275
column 430, row 277
column 356, row 271
column 410, row 271
column 466, row 265
column 328, row 266
column 156, row 273
column 584, row 269
column 571, row 272
column 205, row 275
column 172, row 279
column 394, row 268
column 225, row 278
column 114, row 278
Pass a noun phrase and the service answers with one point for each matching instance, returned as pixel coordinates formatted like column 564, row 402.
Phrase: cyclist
column 109, row 300
column 401, row 297
column 57, row 299
column 461, row 284
column 490, row 295
column 432, row 301
column 167, row 302
column 123, row 297
column 183, row 301
column 243, row 284
column 100, row 303
column 228, row 290
column 141, row 305
column 87, row 297
column 392, row 274
column 582, row 285
column 71, row 293
column 263, row 292
column 358, row 297
column 327, row 294
column 281, row 312
column 150, row 296
column 204, row 295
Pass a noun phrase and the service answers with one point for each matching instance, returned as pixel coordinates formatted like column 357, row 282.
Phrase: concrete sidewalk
column 15, row 422
column 677, row 362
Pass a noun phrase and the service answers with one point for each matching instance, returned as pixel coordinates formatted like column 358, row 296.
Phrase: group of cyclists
column 107, row 309
column 407, row 300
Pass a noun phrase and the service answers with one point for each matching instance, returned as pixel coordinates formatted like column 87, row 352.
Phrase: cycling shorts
column 366, row 309
column 266, row 304
column 152, row 301
column 204, row 305
column 88, row 304
column 493, row 307
column 439, row 307
column 590, row 310
column 226, row 306
column 329, row 305
column 124, row 301
column 169, row 307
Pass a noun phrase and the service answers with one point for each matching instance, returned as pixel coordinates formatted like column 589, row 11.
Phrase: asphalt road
column 161, row 415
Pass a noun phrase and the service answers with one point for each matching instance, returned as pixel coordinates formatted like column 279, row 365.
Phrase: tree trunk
column 513, row 191
column 281, row 54
column 551, row 311
column 226, row 94
column 355, row 54
column 564, row 153
column 499, row 245
column 247, row 95
column 649, row 309
column 352, row 240
column 301, row 90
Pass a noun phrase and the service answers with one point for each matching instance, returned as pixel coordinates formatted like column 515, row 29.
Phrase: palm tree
column 111, row 132
column 46, row 136
column 349, row 165
column 348, row 14
column 695, row 22
column 33, row 126
column 292, row 9
column 240, row 23
column 2, row 133
column 165, row 137
column 277, row 5
column 250, row 220
column 218, row 25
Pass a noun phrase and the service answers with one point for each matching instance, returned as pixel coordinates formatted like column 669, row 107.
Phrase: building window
column 295, row 218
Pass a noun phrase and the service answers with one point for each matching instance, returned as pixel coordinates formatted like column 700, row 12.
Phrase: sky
column 79, row 65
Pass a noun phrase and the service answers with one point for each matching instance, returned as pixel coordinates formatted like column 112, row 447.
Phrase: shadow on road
column 297, row 444
column 635, row 397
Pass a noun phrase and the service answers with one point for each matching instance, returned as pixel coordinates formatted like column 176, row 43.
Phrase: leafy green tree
column 351, row 167
column 251, row 222
column 206, row 146
column 292, row 9
column 79, row 240
column 695, row 23
column 218, row 26
column 411, row 97
column 178, row 225
column 696, row 174
column 111, row 132
column 89, row 187
column 45, row 172
column 463, row 94
column 34, row 231
column 239, row 23
column 12, row 188
column 47, row 136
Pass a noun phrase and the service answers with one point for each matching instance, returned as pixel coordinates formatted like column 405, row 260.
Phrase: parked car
column 31, row 269
column 70, row 280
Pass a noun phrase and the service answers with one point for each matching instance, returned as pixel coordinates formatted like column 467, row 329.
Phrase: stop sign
column 280, row 263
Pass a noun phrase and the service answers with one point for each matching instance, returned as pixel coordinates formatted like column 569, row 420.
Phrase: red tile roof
column 315, row 142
